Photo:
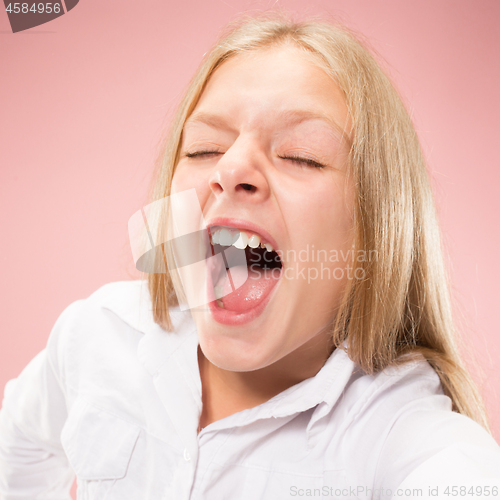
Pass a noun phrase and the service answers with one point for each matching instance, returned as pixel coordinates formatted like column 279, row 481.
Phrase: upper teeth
column 239, row 239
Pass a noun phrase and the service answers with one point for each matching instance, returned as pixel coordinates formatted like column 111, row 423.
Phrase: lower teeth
column 218, row 291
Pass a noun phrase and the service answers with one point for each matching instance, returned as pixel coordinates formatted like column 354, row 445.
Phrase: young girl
column 308, row 350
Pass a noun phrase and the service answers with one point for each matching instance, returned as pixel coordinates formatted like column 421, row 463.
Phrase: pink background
column 84, row 100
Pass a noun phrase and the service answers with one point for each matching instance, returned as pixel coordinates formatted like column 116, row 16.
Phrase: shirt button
column 187, row 456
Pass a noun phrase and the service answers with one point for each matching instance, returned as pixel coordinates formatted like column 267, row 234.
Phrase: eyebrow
column 290, row 116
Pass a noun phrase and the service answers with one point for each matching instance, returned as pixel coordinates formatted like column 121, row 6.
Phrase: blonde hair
column 402, row 306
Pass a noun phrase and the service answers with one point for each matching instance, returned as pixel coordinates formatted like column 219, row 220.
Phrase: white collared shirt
column 116, row 399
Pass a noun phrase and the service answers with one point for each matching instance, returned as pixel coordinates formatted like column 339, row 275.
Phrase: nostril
column 216, row 188
column 247, row 187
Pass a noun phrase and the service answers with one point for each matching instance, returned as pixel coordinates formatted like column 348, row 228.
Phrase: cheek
column 184, row 179
column 181, row 181
column 324, row 219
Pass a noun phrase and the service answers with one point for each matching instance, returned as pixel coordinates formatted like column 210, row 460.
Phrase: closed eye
column 300, row 160
column 201, row 153
column 295, row 159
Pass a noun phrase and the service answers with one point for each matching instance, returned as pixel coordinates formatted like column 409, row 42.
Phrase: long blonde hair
column 401, row 307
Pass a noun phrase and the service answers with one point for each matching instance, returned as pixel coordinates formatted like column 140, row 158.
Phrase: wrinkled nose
column 240, row 174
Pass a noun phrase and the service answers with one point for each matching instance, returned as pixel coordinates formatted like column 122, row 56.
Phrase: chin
column 246, row 351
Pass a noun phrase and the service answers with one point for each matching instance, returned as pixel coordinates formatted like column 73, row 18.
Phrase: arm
column 441, row 455
column 32, row 461
column 461, row 470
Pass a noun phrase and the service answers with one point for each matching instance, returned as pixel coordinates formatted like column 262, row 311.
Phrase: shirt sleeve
column 460, row 470
column 33, row 464
column 440, row 454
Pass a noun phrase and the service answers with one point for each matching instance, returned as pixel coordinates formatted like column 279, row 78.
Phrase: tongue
column 253, row 291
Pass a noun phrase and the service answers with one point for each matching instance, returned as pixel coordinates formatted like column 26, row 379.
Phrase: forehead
column 283, row 85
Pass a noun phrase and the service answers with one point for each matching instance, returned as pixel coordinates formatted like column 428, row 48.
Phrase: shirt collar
column 325, row 387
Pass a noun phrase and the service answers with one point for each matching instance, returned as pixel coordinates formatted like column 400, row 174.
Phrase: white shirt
column 116, row 399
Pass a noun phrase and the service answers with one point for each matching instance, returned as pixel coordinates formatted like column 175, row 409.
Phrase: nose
column 240, row 174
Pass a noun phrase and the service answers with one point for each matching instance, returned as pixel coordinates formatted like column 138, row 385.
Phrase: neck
column 227, row 392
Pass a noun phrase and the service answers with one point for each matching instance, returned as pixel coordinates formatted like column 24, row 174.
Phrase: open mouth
column 252, row 268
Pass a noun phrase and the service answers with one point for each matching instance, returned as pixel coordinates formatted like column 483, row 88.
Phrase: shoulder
column 371, row 404
column 125, row 299
column 401, row 420
column 390, row 392
column 125, row 303
column 122, row 297
column 427, row 442
column 104, row 330
column 119, row 303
